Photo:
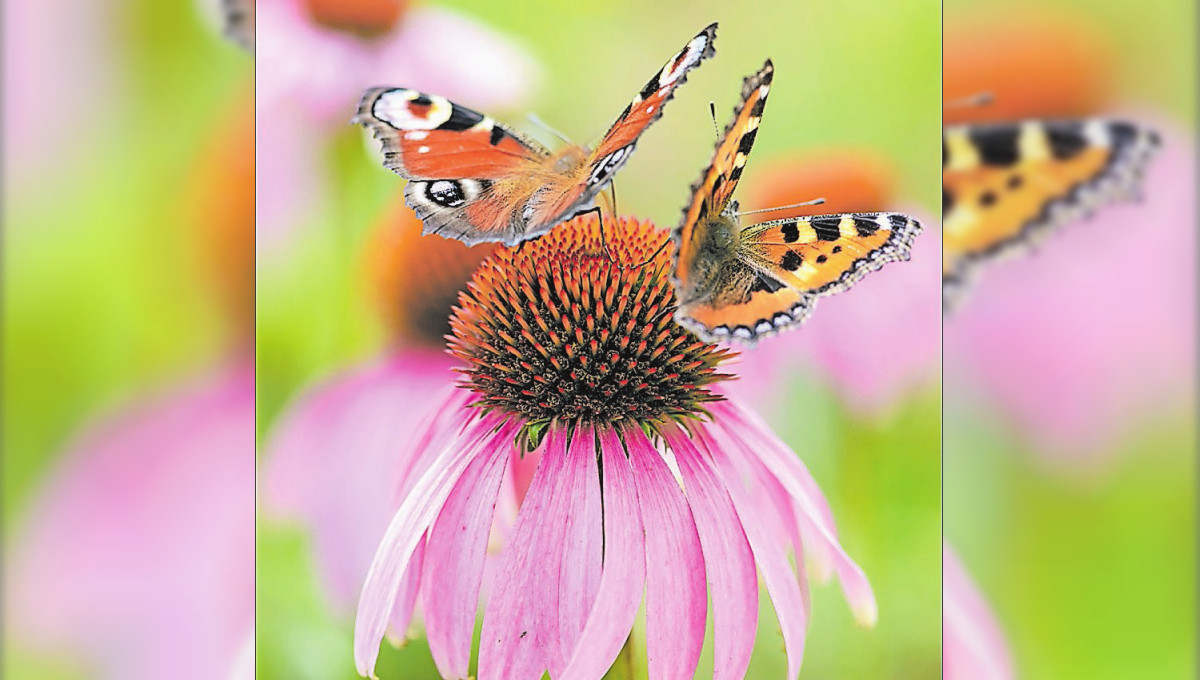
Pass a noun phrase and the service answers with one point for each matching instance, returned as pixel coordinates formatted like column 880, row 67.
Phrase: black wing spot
column 736, row 173
column 987, row 199
column 791, row 232
column 821, row 259
column 650, row 89
column 897, row 221
column 827, row 228
column 836, row 250
column 461, row 118
column 747, row 142
column 865, row 226
column 497, row 135
column 791, row 261
column 765, row 284
column 1066, row 140
column 757, row 110
column 1015, row 182
column 997, row 145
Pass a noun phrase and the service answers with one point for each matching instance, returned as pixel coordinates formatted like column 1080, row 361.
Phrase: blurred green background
column 103, row 293
column 1092, row 574
column 855, row 73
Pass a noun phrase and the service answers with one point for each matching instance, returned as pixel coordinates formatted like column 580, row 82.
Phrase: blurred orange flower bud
column 363, row 17
column 219, row 204
column 415, row 279
column 850, row 180
column 1031, row 63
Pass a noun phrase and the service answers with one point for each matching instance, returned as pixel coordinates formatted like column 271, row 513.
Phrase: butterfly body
column 743, row 282
column 474, row 179
column 1007, row 185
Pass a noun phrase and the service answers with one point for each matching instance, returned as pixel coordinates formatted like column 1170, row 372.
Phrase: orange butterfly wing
column 576, row 189
column 1003, row 185
column 711, row 195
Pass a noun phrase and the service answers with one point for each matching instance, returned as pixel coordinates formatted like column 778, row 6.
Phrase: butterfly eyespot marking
column 412, row 110
column 446, row 193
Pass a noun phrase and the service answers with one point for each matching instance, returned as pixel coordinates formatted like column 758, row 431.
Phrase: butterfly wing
column 617, row 145
column 1005, row 185
column 458, row 162
column 703, row 216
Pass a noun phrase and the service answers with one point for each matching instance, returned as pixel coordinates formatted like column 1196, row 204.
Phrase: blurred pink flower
column 1093, row 332
column 310, row 78
column 137, row 557
column 973, row 647
column 612, row 395
column 82, row 59
column 331, row 461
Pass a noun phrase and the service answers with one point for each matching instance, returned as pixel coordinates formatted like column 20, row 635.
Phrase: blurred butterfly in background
column 746, row 282
column 476, row 180
column 1006, row 185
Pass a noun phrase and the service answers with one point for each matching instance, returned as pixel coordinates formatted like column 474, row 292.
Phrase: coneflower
column 649, row 482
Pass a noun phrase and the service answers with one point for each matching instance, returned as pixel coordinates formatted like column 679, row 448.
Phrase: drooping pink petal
column 487, row 436
column 732, row 580
column 454, row 562
column 550, row 570
column 973, row 647
column 676, row 591
column 406, row 601
column 770, row 554
column 624, row 574
column 813, row 509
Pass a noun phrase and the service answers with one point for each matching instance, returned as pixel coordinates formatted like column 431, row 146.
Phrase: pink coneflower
column 973, row 646
column 649, row 481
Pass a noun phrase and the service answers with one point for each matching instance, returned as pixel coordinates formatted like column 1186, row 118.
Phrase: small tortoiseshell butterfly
column 748, row 282
column 1005, row 185
column 476, row 180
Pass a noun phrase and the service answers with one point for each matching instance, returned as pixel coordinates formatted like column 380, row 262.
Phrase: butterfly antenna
column 815, row 201
column 712, row 109
column 978, row 99
column 533, row 118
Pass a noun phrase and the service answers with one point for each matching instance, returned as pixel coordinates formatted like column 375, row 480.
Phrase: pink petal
column 416, row 513
column 731, row 576
column 973, row 646
column 786, row 467
column 454, row 564
column 410, row 584
column 676, row 592
column 757, row 519
column 550, row 571
column 624, row 574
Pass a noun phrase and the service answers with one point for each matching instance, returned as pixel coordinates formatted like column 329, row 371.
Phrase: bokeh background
column 854, row 116
column 127, row 319
column 1070, row 389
